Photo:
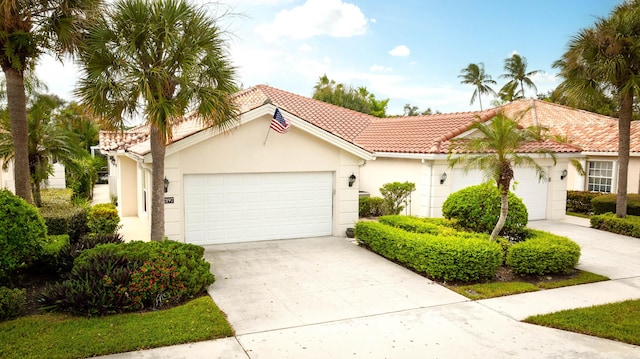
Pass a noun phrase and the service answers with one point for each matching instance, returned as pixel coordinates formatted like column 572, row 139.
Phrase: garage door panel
column 251, row 207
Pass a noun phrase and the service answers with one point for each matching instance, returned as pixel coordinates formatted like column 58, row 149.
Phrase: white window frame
column 612, row 178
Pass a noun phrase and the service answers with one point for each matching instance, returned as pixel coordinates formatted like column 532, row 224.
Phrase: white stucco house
column 7, row 179
column 252, row 183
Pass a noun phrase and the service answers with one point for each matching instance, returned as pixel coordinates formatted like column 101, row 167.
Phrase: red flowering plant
column 154, row 284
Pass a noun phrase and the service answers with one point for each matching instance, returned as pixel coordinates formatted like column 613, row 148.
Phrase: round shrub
column 22, row 233
column 543, row 253
column 11, row 302
column 103, row 218
column 477, row 209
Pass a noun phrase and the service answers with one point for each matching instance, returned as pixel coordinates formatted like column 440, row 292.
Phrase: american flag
column 279, row 123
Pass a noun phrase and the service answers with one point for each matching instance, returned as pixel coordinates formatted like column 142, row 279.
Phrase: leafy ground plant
column 64, row 336
column 617, row 321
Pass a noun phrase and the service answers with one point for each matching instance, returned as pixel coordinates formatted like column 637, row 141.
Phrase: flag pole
column 267, row 102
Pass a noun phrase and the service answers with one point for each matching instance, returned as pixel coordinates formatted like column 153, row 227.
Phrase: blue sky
column 409, row 51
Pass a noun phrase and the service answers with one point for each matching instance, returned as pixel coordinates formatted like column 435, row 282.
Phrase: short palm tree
column 606, row 57
column 474, row 75
column 168, row 57
column 517, row 75
column 47, row 141
column 496, row 154
column 27, row 29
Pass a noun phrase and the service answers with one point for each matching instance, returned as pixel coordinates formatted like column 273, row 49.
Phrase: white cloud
column 380, row 68
column 373, row 20
column 400, row 50
column 314, row 18
column 305, row 48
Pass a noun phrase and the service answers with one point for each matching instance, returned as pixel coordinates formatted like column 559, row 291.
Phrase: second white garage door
column 226, row 208
column 532, row 191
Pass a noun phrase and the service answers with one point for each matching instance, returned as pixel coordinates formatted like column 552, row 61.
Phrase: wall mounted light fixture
column 563, row 175
column 443, row 177
column 352, row 180
column 166, row 185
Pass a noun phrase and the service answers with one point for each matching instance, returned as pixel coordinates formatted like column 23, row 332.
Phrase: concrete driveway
column 329, row 298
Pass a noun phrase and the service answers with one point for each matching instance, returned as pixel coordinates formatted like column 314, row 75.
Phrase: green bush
column 477, row 209
column 580, row 201
column 11, row 302
column 544, row 253
column 22, row 233
column 628, row 226
column 72, row 250
column 113, row 278
column 395, row 195
column 371, row 206
column 50, row 259
column 449, row 258
column 103, row 218
column 607, row 203
column 56, row 196
column 435, row 226
column 65, row 219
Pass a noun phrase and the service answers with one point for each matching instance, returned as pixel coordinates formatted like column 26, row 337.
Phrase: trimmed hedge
column 543, row 253
column 50, row 259
column 65, row 219
column 103, row 218
column 607, row 203
column 448, row 258
column 371, row 206
column 580, row 201
column 477, row 209
column 628, row 226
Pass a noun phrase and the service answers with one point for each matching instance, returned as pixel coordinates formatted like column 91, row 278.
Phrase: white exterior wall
column 429, row 196
column 244, row 151
column 7, row 179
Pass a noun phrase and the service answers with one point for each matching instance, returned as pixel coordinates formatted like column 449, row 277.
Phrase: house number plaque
column 168, row 200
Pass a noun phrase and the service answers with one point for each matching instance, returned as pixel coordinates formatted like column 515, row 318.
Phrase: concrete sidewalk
column 329, row 298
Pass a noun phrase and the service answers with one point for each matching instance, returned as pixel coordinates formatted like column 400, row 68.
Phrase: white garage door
column 532, row 192
column 226, row 208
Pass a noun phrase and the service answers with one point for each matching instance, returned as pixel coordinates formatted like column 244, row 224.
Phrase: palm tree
column 46, row 142
column 516, row 71
column 170, row 57
column 605, row 58
column 474, row 75
column 27, row 29
column 496, row 154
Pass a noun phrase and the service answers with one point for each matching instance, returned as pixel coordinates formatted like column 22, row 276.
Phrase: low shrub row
column 65, row 219
column 580, row 201
column 628, row 226
column 114, row 278
column 543, row 253
column 448, row 258
column 434, row 247
column 607, row 203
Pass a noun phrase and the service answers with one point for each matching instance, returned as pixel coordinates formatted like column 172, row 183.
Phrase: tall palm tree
column 168, row 56
column 606, row 57
column 474, row 75
column 27, row 29
column 496, row 154
column 517, row 75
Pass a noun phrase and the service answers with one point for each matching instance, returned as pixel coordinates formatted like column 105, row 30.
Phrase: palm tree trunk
column 157, row 185
column 17, row 106
column 504, row 210
column 624, row 138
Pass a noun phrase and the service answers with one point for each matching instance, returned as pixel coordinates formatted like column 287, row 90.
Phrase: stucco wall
column 430, row 194
column 576, row 182
column 244, row 151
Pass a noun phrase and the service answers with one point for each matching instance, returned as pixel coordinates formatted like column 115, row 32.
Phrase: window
column 600, row 176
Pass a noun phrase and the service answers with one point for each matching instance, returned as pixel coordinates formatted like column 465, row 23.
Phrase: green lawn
column 617, row 321
column 499, row 289
column 65, row 336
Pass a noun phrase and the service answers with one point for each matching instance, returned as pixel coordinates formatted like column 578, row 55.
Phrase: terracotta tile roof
column 420, row 134
column 589, row 131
